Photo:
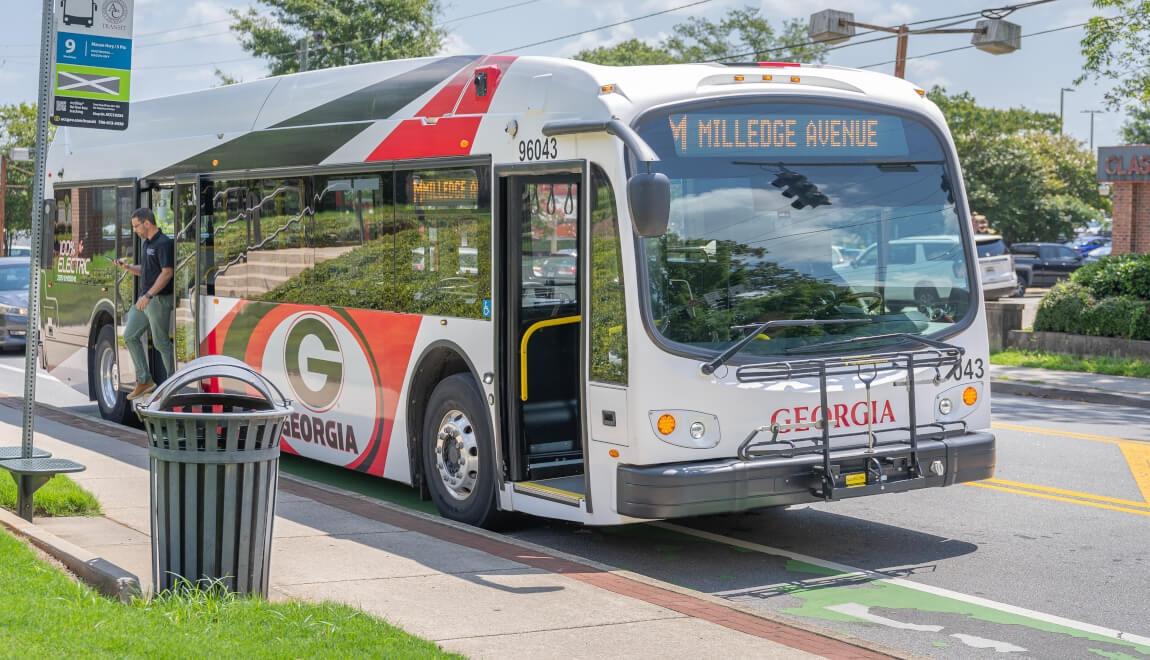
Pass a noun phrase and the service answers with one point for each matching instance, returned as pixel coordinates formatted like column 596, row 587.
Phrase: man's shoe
column 141, row 390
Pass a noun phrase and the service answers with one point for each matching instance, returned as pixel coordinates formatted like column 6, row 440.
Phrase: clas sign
column 1124, row 163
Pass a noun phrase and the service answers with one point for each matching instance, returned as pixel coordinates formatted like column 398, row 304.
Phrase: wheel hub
column 457, row 454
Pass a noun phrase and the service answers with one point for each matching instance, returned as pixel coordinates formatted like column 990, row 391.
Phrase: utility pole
column 303, row 54
column 3, row 199
column 1061, row 105
column 1092, row 113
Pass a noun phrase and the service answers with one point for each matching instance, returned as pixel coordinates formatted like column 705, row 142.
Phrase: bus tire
column 458, row 462
column 112, row 401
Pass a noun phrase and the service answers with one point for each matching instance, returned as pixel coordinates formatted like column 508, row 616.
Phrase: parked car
column 926, row 269
column 1049, row 262
column 995, row 267
column 1087, row 244
column 14, row 280
column 1097, row 254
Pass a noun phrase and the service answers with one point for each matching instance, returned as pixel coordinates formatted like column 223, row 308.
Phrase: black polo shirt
column 157, row 254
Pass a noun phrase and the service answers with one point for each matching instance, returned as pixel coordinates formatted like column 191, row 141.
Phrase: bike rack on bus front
column 866, row 368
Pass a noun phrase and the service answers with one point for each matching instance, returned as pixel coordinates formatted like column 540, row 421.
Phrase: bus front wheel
column 112, row 401
column 458, row 462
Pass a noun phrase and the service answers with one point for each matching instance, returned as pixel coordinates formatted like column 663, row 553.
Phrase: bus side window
column 443, row 241
column 230, row 203
column 608, row 309
column 352, row 241
column 93, row 245
column 278, row 246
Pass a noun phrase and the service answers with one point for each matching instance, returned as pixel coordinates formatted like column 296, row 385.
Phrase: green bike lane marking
column 875, row 590
column 863, row 587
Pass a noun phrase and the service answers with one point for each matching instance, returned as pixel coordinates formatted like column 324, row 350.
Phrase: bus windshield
column 784, row 211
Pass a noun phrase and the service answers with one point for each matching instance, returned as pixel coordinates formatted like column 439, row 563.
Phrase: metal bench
column 31, row 474
column 9, row 453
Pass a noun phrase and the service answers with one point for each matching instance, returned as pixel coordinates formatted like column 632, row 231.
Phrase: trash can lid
column 214, row 366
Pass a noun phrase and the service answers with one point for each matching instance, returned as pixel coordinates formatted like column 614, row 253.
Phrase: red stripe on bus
column 450, row 136
column 453, row 115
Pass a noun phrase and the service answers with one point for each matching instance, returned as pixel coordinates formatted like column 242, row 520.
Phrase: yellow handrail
column 545, row 323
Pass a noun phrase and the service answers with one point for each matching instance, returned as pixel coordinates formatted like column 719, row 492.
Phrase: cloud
column 455, row 44
column 926, row 73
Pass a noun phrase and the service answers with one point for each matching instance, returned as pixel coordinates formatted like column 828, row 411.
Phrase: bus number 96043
column 538, row 149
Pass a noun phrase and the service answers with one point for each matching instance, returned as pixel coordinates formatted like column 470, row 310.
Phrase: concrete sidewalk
column 1071, row 386
column 473, row 592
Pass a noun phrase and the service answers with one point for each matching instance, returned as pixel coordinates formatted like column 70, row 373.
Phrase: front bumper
column 726, row 485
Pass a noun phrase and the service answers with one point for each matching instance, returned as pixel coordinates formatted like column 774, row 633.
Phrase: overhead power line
column 994, row 12
column 603, row 27
column 952, row 50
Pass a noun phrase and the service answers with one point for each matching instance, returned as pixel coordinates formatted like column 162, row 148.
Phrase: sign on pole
column 92, row 65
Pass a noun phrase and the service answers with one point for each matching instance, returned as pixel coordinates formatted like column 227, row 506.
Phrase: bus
column 527, row 284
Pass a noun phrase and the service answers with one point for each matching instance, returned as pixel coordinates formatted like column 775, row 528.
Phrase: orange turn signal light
column 666, row 424
column 970, row 396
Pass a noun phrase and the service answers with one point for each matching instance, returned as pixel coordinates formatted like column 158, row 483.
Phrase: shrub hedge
column 1108, row 298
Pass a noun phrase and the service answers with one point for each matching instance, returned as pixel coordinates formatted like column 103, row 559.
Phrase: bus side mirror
column 47, row 225
column 649, row 197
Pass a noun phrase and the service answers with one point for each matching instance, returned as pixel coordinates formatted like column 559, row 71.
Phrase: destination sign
column 780, row 135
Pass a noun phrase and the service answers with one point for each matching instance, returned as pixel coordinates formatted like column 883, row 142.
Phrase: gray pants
column 157, row 317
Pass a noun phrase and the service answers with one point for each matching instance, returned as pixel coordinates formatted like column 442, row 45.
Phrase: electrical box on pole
column 831, row 26
column 996, row 36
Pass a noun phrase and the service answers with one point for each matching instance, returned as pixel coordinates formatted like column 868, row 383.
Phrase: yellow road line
column 1136, row 452
column 1065, row 434
column 1069, row 493
column 1138, row 456
column 1056, row 498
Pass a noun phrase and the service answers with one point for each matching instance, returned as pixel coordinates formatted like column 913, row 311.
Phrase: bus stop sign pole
column 32, row 352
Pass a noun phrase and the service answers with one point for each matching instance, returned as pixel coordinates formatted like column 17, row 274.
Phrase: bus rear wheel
column 458, row 461
column 112, row 401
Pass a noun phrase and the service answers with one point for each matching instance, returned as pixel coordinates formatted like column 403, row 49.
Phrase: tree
column 1031, row 182
column 338, row 32
column 1117, row 51
column 1136, row 130
column 18, row 129
column 743, row 35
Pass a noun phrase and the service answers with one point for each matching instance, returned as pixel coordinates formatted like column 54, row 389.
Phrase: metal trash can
column 214, row 473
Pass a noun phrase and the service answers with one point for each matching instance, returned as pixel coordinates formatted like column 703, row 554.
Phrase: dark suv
column 1049, row 262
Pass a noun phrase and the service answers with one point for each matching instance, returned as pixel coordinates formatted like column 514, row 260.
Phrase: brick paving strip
column 705, row 608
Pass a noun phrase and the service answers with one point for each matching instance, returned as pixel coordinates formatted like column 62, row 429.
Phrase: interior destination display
column 771, row 135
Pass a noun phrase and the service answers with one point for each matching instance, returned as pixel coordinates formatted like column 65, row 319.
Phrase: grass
column 1094, row 365
column 59, row 497
column 47, row 614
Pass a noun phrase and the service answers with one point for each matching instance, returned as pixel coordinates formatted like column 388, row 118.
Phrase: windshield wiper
column 709, row 368
column 933, row 343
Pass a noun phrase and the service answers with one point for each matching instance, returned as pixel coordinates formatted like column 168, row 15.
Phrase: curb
column 106, row 577
column 138, row 437
column 1024, row 388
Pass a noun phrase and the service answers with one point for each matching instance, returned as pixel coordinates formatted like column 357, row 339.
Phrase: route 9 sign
column 92, row 64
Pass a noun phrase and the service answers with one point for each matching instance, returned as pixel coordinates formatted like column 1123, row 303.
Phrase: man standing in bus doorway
column 153, row 311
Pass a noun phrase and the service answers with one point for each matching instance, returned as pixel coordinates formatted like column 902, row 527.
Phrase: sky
column 178, row 44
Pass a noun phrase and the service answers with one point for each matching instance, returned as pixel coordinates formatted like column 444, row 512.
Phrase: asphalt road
column 1048, row 560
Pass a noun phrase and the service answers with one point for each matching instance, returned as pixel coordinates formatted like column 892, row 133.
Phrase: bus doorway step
column 565, row 490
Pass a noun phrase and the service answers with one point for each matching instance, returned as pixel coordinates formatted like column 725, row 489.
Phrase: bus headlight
column 685, row 428
column 956, row 403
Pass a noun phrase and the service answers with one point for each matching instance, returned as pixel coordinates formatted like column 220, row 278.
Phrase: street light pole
column 1092, row 113
column 1061, row 105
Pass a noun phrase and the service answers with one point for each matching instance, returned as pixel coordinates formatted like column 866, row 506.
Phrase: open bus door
column 541, row 331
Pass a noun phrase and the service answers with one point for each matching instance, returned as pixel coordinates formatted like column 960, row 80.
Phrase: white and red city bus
column 599, row 294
